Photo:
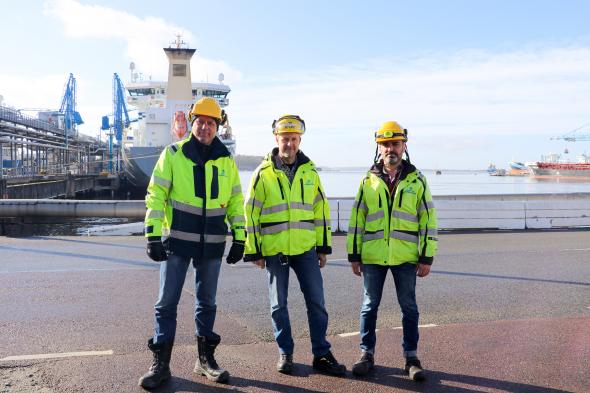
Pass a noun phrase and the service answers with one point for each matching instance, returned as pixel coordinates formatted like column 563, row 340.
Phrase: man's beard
column 391, row 159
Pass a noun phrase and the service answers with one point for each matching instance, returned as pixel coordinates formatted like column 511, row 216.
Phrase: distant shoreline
column 250, row 163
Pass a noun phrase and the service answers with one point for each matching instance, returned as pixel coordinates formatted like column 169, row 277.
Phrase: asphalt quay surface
column 501, row 311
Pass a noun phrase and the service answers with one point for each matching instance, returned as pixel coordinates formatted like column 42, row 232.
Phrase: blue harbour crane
column 120, row 119
column 68, row 108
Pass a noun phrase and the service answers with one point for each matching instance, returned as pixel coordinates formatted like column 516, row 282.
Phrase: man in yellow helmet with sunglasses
column 288, row 227
column 392, row 227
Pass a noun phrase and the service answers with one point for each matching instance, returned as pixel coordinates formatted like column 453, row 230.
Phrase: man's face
column 288, row 143
column 392, row 152
column 204, row 129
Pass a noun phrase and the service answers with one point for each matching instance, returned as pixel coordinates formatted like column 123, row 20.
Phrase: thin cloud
column 442, row 98
column 144, row 37
column 46, row 94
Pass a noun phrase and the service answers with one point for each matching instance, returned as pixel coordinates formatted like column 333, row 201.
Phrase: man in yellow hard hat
column 392, row 228
column 193, row 191
column 288, row 227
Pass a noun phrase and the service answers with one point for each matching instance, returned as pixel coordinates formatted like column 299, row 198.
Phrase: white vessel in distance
column 156, row 103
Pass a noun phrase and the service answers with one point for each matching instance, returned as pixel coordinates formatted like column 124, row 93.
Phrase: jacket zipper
column 204, row 211
column 302, row 191
column 281, row 188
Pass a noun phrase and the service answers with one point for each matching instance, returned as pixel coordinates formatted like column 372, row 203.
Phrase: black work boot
column 364, row 364
column 159, row 371
column 328, row 364
column 285, row 364
column 414, row 369
column 206, row 364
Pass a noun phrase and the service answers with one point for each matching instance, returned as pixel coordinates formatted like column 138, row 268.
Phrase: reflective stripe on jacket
column 284, row 217
column 191, row 199
column 388, row 231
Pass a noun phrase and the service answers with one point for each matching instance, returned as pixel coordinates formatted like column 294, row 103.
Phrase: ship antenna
column 178, row 42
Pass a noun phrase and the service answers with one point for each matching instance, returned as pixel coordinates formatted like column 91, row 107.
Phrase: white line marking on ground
column 428, row 325
column 57, row 355
column 576, row 249
column 395, row 328
column 74, row 270
column 348, row 334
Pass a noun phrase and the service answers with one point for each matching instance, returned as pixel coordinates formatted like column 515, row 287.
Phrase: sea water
column 345, row 183
column 342, row 184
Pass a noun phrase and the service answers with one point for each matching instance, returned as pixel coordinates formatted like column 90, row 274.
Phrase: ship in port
column 156, row 103
column 554, row 165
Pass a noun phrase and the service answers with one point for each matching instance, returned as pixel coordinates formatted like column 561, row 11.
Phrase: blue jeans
column 404, row 277
column 308, row 273
column 172, row 275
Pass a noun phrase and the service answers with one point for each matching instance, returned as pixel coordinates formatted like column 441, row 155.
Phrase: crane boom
column 575, row 135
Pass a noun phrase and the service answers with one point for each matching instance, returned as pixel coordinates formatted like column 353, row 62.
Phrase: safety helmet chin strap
column 407, row 154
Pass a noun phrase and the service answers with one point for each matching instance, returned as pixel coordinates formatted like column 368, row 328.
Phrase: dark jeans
column 404, row 277
column 308, row 273
column 172, row 275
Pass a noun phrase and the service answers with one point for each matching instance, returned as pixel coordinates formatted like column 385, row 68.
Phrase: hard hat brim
column 395, row 138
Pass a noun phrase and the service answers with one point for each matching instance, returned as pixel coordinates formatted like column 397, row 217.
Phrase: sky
column 474, row 82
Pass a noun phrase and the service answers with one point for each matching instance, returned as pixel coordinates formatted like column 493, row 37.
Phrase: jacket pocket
column 199, row 181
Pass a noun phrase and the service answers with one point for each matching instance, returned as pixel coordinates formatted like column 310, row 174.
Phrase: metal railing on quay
column 14, row 116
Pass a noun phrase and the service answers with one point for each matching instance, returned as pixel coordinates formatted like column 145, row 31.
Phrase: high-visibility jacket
column 191, row 199
column 284, row 217
column 389, row 229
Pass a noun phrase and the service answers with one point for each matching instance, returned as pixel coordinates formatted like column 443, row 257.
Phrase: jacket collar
column 407, row 168
column 200, row 153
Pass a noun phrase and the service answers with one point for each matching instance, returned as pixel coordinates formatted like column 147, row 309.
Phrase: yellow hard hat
column 391, row 131
column 206, row 106
column 288, row 123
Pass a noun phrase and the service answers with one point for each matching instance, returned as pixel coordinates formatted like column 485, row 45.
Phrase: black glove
column 236, row 252
column 155, row 249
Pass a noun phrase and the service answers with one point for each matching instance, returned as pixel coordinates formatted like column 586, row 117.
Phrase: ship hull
column 564, row 173
column 557, row 170
column 139, row 163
